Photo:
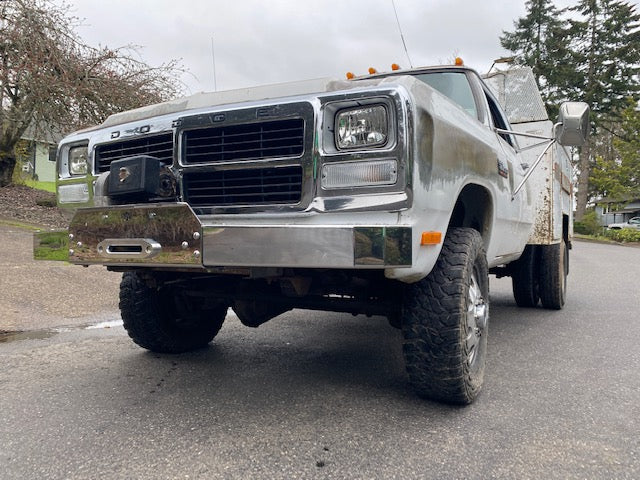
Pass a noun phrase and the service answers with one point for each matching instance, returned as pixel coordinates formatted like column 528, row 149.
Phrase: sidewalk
column 38, row 295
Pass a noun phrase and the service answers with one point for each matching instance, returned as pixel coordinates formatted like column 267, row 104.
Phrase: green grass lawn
column 46, row 186
column 51, row 245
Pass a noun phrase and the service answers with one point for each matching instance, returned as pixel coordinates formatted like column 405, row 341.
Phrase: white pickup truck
column 631, row 223
column 393, row 194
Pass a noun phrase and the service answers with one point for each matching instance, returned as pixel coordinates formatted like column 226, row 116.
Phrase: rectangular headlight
column 362, row 127
column 73, row 193
column 359, row 174
column 78, row 160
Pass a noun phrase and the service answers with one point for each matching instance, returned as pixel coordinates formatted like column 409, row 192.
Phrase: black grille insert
column 258, row 186
column 274, row 139
column 158, row 146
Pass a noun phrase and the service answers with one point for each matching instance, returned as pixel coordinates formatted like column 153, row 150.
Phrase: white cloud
column 258, row 42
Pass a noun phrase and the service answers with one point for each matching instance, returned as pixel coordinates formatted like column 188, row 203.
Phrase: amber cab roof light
column 458, row 62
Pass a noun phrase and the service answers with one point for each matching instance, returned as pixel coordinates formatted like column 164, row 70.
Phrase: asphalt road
column 36, row 295
column 322, row 395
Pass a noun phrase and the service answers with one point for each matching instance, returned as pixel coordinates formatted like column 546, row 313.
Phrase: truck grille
column 257, row 186
column 250, row 141
column 159, row 146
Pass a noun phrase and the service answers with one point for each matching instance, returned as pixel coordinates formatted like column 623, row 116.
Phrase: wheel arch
column 474, row 208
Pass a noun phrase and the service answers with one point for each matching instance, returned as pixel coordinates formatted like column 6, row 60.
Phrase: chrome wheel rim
column 477, row 316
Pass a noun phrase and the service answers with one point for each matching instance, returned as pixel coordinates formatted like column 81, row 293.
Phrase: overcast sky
column 257, row 42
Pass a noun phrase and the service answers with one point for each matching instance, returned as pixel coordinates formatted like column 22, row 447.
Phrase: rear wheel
column 524, row 278
column 445, row 319
column 554, row 268
column 164, row 319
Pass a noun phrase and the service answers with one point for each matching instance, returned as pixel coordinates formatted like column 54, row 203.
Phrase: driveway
column 40, row 295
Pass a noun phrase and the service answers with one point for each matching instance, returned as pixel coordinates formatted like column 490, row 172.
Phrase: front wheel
column 445, row 322
column 164, row 319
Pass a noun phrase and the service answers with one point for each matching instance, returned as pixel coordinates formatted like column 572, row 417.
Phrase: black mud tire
column 159, row 320
column 525, row 278
column 444, row 322
column 554, row 268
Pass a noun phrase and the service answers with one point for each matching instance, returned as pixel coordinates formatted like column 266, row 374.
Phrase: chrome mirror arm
column 547, row 141
column 533, row 167
column 535, row 145
column 522, row 134
column 545, row 138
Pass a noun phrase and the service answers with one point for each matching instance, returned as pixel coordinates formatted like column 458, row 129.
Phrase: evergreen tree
column 606, row 58
column 539, row 41
column 628, row 147
column 607, row 173
column 615, row 172
column 591, row 55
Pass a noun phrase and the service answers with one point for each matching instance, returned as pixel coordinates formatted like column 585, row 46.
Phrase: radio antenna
column 401, row 35
column 213, row 61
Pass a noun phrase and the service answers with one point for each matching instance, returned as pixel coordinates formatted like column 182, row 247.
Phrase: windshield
column 454, row 85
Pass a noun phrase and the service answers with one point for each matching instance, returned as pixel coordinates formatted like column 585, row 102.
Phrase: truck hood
column 209, row 99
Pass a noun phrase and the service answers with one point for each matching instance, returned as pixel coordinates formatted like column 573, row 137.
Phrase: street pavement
column 324, row 395
column 39, row 295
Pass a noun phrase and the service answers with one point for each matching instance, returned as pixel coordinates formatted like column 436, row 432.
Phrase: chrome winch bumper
column 169, row 235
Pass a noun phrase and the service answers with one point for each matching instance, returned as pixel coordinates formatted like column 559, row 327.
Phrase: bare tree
column 50, row 79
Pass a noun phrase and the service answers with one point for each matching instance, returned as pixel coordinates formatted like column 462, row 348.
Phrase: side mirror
column 573, row 124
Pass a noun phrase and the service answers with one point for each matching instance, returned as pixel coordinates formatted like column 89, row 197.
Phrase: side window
column 454, row 85
column 499, row 120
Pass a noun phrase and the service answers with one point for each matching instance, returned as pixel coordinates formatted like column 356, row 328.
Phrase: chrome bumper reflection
column 172, row 235
column 51, row 245
column 307, row 246
column 155, row 234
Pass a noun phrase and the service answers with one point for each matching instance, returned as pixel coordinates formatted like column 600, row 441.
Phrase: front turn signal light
column 431, row 238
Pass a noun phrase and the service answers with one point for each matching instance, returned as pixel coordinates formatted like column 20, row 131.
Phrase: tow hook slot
column 129, row 248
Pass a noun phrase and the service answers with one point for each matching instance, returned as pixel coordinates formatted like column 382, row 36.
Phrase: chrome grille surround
column 251, row 159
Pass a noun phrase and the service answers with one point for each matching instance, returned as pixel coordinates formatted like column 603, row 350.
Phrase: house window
column 53, row 150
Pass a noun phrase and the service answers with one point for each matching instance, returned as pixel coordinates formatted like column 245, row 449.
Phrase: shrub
column 581, row 228
column 589, row 225
column 624, row 235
